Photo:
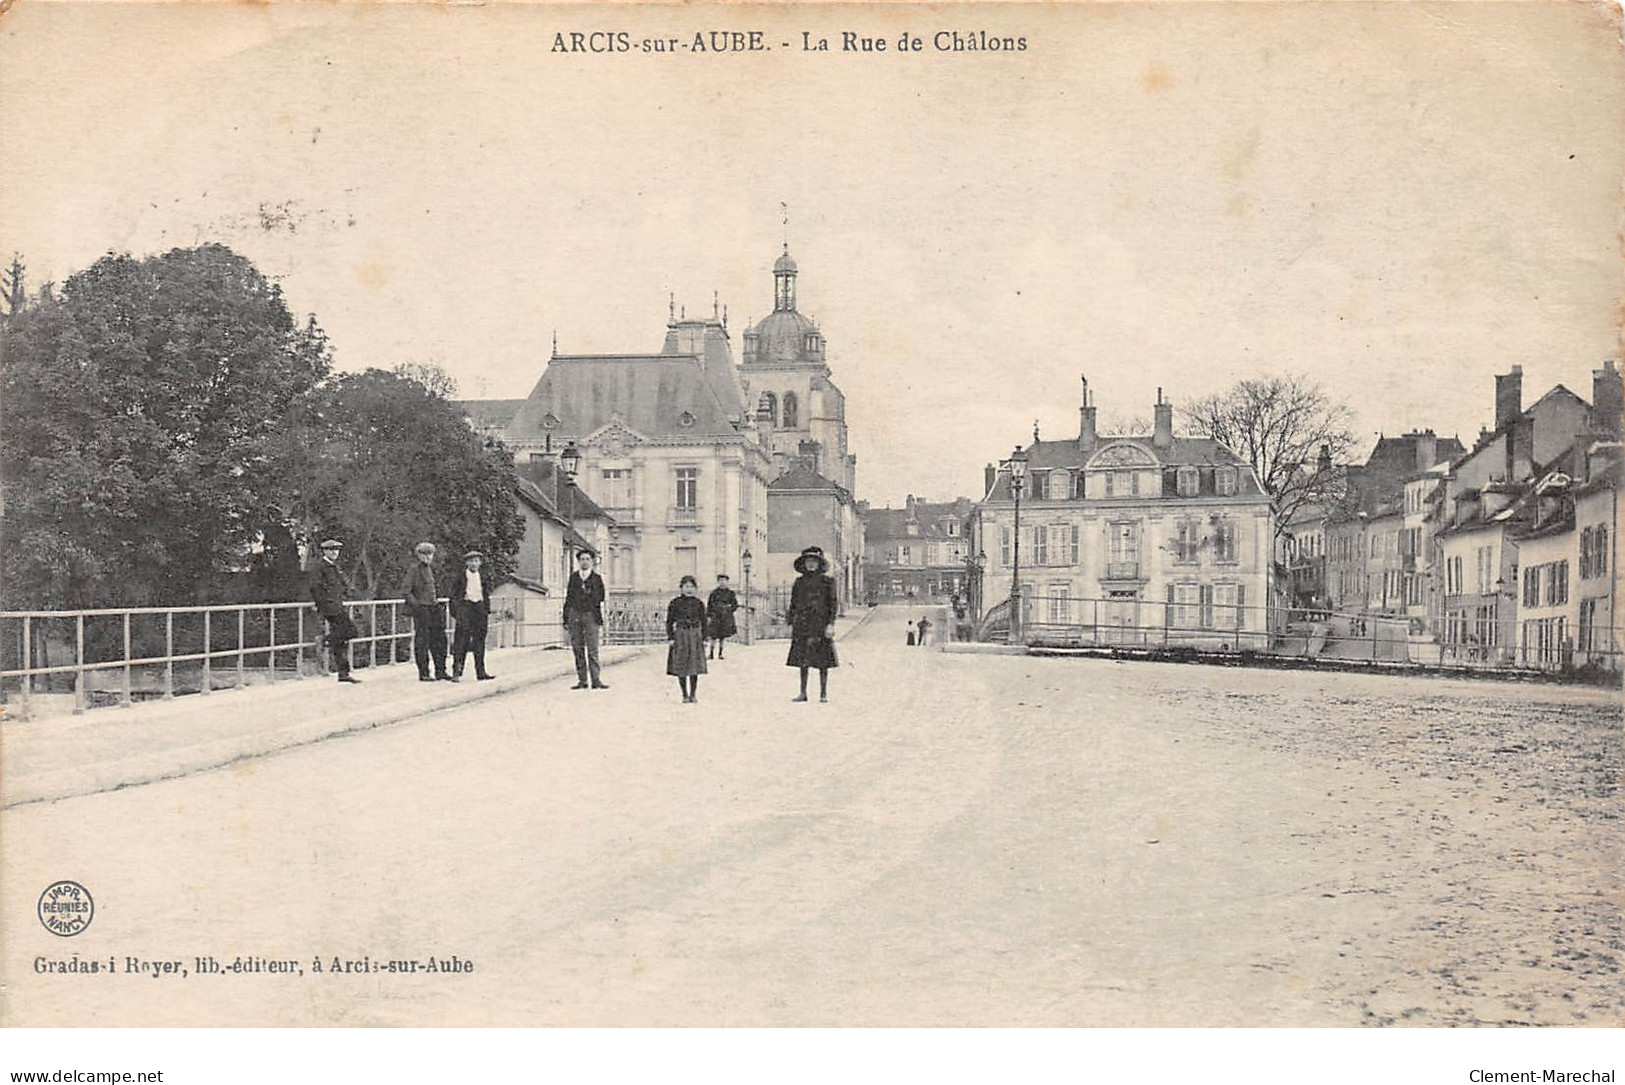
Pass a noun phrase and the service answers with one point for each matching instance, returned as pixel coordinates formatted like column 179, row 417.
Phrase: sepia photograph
column 838, row 516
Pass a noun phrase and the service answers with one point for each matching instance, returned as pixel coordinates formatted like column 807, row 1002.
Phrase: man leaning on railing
column 329, row 587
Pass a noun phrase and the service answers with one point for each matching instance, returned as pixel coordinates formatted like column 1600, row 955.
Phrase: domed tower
column 786, row 376
column 784, row 335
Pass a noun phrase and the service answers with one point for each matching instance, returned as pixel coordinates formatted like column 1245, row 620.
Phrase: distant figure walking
column 719, row 613
column 925, row 627
column 428, row 620
column 812, row 620
column 329, row 587
column 685, row 631
column 911, row 634
column 471, row 606
column 584, row 618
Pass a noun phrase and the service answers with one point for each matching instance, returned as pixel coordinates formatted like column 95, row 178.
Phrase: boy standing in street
column 584, row 619
column 428, row 621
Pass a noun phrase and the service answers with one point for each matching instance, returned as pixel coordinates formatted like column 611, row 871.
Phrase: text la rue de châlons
column 755, row 41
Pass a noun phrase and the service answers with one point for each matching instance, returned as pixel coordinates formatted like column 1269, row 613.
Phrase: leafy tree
column 1279, row 425
column 137, row 403
column 383, row 462
column 13, row 287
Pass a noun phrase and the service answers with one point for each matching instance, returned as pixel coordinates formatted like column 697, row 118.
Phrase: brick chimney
column 1521, row 449
column 1607, row 400
column 1162, row 434
column 1086, row 421
column 1324, row 461
column 1508, row 396
column 1427, row 449
column 989, row 475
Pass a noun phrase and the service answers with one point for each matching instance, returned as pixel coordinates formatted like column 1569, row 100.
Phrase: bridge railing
column 92, row 658
column 1491, row 640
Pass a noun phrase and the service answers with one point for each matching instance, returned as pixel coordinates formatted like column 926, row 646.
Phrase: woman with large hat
column 812, row 620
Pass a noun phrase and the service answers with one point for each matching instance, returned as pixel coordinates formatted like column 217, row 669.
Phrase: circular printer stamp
column 65, row 908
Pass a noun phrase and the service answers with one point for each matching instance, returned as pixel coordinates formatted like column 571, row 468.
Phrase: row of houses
column 1502, row 553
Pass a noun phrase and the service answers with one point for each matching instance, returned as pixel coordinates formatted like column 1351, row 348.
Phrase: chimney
column 1162, row 434
column 909, row 504
column 1508, row 396
column 1324, row 462
column 1086, row 421
column 1607, row 400
column 989, row 475
column 1427, row 449
column 809, row 454
column 1521, row 449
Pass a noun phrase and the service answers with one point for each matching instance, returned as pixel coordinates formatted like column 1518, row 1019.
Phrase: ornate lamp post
column 1018, row 477
column 744, row 563
column 570, row 460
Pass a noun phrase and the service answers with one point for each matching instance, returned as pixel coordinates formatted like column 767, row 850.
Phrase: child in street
column 685, row 631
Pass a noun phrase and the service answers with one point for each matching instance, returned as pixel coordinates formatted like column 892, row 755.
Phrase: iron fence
column 1496, row 642
column 93, row 658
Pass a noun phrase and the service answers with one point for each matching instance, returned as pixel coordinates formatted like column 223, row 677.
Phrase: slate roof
column 803, row 477
column 1183, row 452
column 539, row 479
column 533, row 495
column 656, row 395
column 889, row 523
column 489, row 412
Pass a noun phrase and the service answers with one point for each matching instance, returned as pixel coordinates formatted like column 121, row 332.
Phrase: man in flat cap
column 584, row 618
column 471, row 608
column 428, row 620
column 329, row 587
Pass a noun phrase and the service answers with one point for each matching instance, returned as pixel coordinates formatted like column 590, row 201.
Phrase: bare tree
column 431, row 375
column 1279, row 425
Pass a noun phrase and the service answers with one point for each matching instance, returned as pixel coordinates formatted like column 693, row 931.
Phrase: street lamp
column 570, row 460
column 976, row 585
column 744, row 563
column 1018, row 477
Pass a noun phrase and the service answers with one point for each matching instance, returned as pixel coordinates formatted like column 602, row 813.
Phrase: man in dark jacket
column 471, row 609
column 329, row 587
column 428, row 620
column 584, row 619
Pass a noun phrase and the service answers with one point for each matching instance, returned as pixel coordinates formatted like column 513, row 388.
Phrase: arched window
column 790, row 411
column 768, row 408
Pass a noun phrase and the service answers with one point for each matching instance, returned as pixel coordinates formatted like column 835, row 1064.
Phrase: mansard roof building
column 1134, row 538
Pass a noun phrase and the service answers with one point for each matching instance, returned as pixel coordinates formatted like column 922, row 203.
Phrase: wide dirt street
column 953, row 840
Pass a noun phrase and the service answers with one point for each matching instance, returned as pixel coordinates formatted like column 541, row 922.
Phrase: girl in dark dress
column 719, row 615
column 685, row 629
column 812, row 621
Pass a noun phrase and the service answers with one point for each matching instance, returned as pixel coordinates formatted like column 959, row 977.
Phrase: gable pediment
column 1123, row 454
column 614, row 438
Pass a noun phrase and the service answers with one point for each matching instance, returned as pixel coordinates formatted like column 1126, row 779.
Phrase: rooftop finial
column 784, row 211
column 1035, row 431
column 555, row 342
column 714, row 314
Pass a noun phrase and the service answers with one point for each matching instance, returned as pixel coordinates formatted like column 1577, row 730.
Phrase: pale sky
column 1401, row 200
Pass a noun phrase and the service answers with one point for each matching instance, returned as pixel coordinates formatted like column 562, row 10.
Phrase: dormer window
column 1224, row 481
column 1188, row 482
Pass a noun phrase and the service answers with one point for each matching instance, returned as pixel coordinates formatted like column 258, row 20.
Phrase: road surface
column 953, row 840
